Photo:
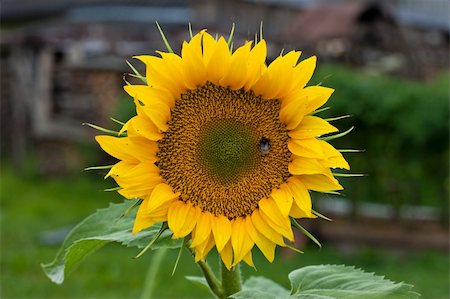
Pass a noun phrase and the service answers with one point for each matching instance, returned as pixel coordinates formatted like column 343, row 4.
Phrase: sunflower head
column 225, row 148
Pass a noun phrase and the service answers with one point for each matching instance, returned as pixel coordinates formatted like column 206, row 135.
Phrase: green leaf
column 102, row 227
column 230, row 38
column 155, row 238
column 305, row 232
column 261, row 31
column 348, row 175
column 101, row 129
column 261, row 287
column 337, row 118
column 306, row 296
column 199, row 280
column 335, row 136
column 166, row 42
column 255, row 294
column 136, row 73
column 180, row 251
column 190, row 30
column 320, row 215
column 117, row 121
column 350, row 151
column 320, row 110
column 339, row 281
column 99, row 167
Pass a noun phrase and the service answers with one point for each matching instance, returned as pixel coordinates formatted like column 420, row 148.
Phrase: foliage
column 327, row 282
column 33, row 206
column 403, row 128
column 320, row 282
column 104, row 226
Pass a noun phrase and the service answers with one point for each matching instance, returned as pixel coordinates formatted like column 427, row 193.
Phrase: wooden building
column 68, row 68
column 62, row 61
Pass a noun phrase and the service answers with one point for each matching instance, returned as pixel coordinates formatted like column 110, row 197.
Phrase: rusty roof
column 326, row 21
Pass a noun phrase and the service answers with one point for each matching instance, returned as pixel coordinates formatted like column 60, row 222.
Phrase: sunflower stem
column 213, row 282
column 231, row 280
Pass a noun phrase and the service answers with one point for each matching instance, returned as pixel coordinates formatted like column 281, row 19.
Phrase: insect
column 264, row 146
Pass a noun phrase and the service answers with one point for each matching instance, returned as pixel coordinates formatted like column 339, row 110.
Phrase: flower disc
column 224, row 148
column 211, row 151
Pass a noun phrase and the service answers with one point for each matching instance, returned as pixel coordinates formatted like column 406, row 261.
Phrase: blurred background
column 63, row 63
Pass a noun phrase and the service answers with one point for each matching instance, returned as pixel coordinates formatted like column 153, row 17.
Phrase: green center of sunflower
column 224, row 150
column 227, row 149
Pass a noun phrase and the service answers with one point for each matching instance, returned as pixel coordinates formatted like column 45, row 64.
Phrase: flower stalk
column 231, row 280
column 213, row 283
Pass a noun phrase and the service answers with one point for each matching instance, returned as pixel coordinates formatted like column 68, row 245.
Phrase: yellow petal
column 125, row 127
column 248, row 259
column 176, row 67
column 275, row 83
column 195, row 69
column 236, row 75
column 289, row 76
column 142, row 125
column 316, row 96
column 312, row 96
column 160, row 214
column 159, row 74
column 304, row 71
column 272, row 215
column 120, row 168
column 142, row 220
column 145, row 218
column 139, row 190
column 227, row 255
column 265, row 229
column 195, row 44
column 140, row 173
column 321, row 183
column 266, row 246
column 221, row 228
column 153, row 103
column 202, row 228
column 334, row 158
column 150, row 95
column 139, row 181
column 301, row 195
column 310, row 148
column 219, row 62
column 240, row 240
column 161, row 194
column 296, row 212
column 148, row 148
column 312, row 126
column 256, row 64
column 292, row 114
column 283, row 199
column 159, row 113
column 181, row 218
column 119, row 147
column 302, row 165
column 202, row 250
column 209, row 47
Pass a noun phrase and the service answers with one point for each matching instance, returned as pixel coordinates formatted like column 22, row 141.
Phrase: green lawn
column 31, row 206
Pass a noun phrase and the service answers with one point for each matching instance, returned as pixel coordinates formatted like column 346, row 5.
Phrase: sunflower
column 224, row 148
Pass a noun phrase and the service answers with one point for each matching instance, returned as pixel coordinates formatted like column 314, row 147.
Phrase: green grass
column 31, row 206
